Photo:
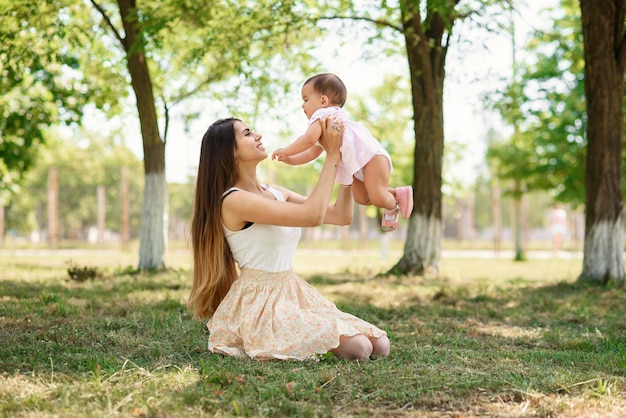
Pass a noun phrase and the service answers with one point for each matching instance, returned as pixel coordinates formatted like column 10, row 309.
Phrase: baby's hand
column 286, row 159
column 279, row 154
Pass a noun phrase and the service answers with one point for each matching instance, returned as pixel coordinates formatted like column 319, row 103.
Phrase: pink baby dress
column 357, row 148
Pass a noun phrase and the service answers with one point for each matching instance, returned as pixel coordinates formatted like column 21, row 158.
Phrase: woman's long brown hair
column 213, row 265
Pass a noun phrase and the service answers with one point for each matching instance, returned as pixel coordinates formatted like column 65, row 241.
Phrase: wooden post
column 53, row 207
column 1, row 225
column 166, row 219
column 459, row 215
column 362, row 223
column 525, row 219
column 497, row 217
column 471, row 221
column 125, row 209
column 101, row 214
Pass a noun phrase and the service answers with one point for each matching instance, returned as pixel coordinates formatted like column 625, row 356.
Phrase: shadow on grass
column 450, row 343
column 61, row 283
column 571, row 318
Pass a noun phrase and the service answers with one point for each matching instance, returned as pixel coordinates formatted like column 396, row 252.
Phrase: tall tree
column 605, row 59
column 220, row 39
column 426, row 39
column 169, row 51
column 133, row 41
column 425, row 28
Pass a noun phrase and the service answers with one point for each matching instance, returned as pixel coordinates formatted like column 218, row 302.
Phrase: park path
column 476, row 254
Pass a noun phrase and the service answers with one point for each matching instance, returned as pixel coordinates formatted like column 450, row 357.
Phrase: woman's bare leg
column 381, row 346
column 355, row 347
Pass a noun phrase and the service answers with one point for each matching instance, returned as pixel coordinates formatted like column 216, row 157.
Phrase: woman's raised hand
column 332, row 134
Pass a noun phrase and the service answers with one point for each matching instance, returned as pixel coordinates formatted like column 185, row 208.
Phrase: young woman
column 266, row 311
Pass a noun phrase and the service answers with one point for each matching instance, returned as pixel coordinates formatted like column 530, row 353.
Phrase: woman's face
column 249, row 145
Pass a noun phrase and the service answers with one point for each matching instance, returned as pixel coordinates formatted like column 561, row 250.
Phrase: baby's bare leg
column 359, row 192
column 376, row 175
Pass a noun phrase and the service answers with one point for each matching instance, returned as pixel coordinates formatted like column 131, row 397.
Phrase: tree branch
column 109, row 23
column 377, row 22
column 167, row 120
column 211, row 78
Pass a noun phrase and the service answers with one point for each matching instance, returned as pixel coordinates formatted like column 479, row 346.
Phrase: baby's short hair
column 331, row 86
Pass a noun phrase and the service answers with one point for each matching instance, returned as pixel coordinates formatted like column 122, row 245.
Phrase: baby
column 365, row 165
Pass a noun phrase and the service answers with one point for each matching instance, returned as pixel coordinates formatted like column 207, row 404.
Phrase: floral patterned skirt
column 279, row 316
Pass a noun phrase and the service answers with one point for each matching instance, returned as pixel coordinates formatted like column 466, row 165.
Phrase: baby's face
column 311, row 100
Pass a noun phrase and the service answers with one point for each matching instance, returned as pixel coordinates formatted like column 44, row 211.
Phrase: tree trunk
column 152, row 241
column 605, row 54
column 517, row 230
column 525, row 220
column 362, row 223
column 426, row 57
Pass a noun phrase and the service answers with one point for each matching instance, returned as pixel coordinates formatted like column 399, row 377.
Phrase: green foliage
column 235, row 54
column 80, row 274
column 222, row 50
column 301, row 179
column 539, row 200
column 546, row 105
column 85, row 161
column 38, row 82
column 180, row 200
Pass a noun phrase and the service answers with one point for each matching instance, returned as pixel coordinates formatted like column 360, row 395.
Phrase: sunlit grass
column 488, row 337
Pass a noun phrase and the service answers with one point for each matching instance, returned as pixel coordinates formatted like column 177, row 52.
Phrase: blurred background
column 82, row 182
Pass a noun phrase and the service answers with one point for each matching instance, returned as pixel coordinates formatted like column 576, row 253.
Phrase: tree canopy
column 38, row 80
column 162, row 52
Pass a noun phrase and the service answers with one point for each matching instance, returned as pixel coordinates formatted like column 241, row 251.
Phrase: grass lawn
column 488, row 337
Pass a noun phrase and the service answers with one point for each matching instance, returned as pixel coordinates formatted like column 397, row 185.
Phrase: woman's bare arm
column 242, row 206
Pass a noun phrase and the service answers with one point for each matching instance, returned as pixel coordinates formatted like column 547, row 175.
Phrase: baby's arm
column 304, row 142
column 303, row 157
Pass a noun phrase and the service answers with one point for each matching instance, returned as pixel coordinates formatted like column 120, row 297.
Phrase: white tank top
column 264, row 247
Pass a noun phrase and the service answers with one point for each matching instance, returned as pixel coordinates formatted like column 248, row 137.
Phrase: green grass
column 489, row 337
